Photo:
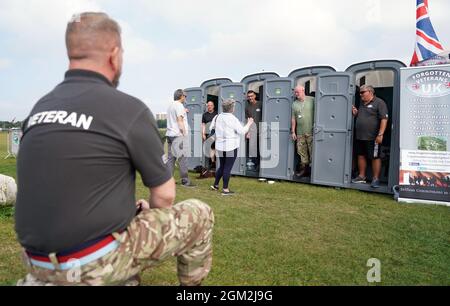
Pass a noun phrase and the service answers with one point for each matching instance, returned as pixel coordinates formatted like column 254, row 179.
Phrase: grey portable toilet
column 235, row 91
column 256, row 83
column 211, row 90
column 277, row 148
column 278, row 101
column 196, row 106
column 384, row 76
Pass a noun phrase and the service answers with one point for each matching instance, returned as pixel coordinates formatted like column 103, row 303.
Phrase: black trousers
column 227, row 160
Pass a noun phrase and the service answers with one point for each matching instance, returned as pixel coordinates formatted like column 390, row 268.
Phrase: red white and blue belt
column 78, row 257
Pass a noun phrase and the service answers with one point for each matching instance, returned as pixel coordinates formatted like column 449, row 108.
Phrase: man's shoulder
column 309, row 99
column 130, row 100
column 379, row 100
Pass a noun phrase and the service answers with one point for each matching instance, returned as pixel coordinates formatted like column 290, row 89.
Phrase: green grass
column 294, row 234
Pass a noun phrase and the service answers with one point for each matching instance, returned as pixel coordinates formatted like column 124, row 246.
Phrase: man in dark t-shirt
column 207, row 118
column 82, row 145
column 253, row 110
column 371, row 123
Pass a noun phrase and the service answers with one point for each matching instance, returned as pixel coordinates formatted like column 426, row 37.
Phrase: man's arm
column 293, row 128
column 354, row 111
column 383, row 126
column 163, row 196
column 180, row 122
column 203, row 131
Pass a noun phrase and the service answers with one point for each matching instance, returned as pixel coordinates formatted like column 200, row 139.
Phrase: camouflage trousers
column 184, row 231
column 304, row 149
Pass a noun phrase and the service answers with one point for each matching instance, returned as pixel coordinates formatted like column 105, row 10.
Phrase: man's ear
column 116, row 59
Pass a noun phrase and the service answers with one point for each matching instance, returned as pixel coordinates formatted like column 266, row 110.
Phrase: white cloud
column 5, row 63
column 138, row 50
column 39, row 25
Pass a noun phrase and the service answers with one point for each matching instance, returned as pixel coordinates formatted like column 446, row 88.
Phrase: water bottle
column 375, row 150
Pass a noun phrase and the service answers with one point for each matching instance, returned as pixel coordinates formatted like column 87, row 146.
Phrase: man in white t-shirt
column 178, row 136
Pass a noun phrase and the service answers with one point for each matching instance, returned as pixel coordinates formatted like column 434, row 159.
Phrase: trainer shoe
column 227, row 193
column 375, row 183
column 359, row 180
column 189, row 185
column 214, row 188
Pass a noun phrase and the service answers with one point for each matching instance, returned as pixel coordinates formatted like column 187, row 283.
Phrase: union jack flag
column 427, row 42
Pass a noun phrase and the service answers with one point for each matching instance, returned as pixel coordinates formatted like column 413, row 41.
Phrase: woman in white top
column 228, row 131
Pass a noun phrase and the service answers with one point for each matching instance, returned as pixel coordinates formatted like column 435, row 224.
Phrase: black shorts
column 368, row 148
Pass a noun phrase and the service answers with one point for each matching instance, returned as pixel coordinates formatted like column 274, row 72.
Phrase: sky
column 174, row 44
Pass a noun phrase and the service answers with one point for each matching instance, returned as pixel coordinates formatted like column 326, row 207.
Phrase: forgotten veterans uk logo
column 430, row 83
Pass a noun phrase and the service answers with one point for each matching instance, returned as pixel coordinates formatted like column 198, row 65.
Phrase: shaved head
column 300, row 92
column 90, row 34
column 93, row 40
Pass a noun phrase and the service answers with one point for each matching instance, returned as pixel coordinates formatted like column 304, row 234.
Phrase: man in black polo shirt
column 82, row 145
column 207, row 118
column 371, row 123
column 253, row 110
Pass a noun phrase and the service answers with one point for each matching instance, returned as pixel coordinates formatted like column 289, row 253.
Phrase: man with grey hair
column 178, row 137
column 76, row 213
column 302, row 123
column 371, row 123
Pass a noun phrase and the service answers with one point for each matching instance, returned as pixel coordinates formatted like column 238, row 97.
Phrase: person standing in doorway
column 207, row 118
column 302, row 129
column 371, row 123
column 253, row 110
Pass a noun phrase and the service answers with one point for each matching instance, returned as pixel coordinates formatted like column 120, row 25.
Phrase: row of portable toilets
column 334, row 161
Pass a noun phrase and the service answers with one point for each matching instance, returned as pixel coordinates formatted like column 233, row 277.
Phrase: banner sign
column 425, row 135
column 14, row 137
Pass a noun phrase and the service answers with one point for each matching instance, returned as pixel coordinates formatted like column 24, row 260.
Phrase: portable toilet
column 280, row 159
column 384, row 76
column 196, row 100
column 333, row 162
column 211, row 90
column 250, row 166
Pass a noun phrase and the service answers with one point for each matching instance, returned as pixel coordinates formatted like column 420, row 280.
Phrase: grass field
column 293, row 234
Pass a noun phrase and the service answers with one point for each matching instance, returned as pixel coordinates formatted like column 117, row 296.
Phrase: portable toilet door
column 306, row 77
column 195, row 106
column 331, row 160
column 276, row 145
column 384, row 76
column 256, row 83
column 235, row 91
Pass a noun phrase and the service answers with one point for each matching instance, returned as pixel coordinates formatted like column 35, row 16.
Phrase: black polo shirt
column 208, row 117
column 369, row 118
column 254, row 111
column 82, row 145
